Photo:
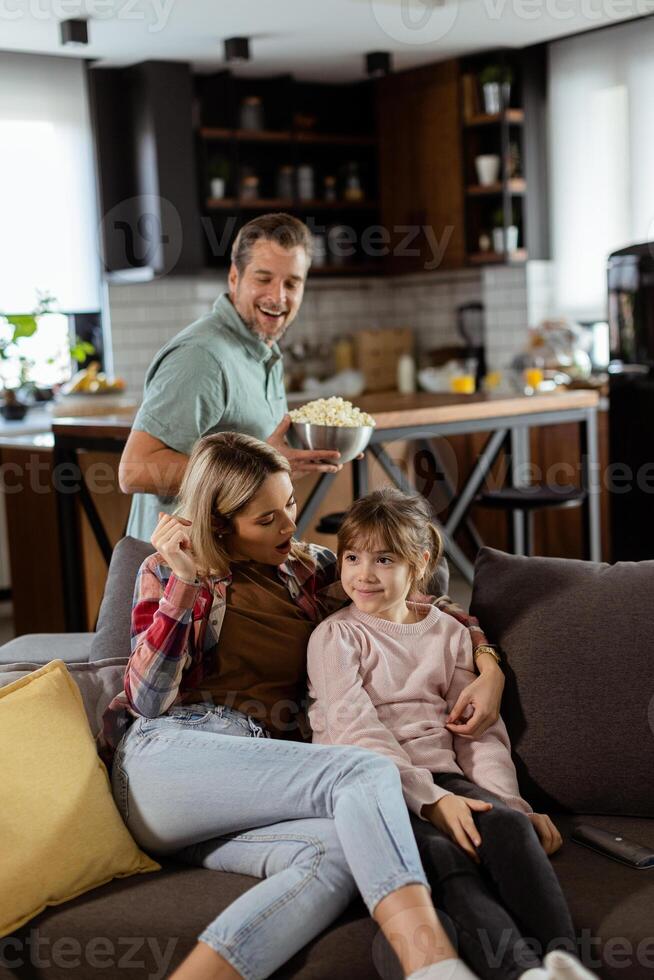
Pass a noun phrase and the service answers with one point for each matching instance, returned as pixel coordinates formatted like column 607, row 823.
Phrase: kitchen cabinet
column 421, row 166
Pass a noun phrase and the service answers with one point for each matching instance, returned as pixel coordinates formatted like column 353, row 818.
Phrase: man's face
column 268, row 293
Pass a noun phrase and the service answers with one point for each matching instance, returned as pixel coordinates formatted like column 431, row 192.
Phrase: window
column 601, row 136
column 48, row 231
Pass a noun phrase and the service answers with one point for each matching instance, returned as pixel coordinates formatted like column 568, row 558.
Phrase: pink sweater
column 390, row 686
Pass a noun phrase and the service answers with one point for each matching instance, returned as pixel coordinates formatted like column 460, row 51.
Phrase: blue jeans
column 313, row 821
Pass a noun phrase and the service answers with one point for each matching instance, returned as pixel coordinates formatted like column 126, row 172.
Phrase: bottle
column 343, row 354
column 251, row 114
column 305, row 183
column 406, row 375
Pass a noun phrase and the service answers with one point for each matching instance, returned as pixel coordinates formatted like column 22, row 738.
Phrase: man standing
column 223, row 372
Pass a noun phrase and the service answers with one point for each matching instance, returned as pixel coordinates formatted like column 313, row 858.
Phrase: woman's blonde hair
column 396, row 522
column 225, row 472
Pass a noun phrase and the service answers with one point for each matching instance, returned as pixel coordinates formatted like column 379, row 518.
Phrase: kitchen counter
column 390, row 410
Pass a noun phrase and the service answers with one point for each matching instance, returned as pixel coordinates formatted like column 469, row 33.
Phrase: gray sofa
column 580, row 709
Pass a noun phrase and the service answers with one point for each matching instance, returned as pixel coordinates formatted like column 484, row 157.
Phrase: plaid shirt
column 176, row 627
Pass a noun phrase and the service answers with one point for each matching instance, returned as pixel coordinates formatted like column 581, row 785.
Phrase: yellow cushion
column 60, row 831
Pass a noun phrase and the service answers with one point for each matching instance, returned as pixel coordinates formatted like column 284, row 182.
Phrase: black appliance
column 630, row 477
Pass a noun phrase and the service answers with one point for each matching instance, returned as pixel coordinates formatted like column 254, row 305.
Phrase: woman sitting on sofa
column 222, row 616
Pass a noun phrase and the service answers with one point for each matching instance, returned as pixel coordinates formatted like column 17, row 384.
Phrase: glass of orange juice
column 463, row 384
column 533, row 377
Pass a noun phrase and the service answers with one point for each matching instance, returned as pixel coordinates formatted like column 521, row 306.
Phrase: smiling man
column 223, row 372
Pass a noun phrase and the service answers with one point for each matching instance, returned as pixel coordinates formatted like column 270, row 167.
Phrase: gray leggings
column 494, row 906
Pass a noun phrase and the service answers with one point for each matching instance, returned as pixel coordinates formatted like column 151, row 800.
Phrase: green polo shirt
column 213, row 376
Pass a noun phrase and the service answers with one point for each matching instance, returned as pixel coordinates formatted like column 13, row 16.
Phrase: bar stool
column 330, row 523
column 525, row 501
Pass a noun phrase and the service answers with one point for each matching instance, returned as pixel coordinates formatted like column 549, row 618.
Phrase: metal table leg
column 590, row 481
column 479, row 473
column 72, row 566
column 520, row 456
column 456, row 553
column 313, row 501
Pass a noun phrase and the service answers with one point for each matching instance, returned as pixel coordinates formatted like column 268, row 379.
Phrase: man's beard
column 253, row 327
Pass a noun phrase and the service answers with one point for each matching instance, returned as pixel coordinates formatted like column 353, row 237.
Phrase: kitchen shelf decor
column 503, row 115
column 315, row 156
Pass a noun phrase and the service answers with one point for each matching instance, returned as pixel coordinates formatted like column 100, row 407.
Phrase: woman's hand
column 484, row 696
column 453, row 815
column 548, row 835
column 171, row 540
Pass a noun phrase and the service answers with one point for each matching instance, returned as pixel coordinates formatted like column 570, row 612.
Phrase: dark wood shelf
column 498, row 258
column 352, row 269
column 515, row 117
column 516, row 186
column 285, row 136
column 246, row 135
column 287, row 204
column 334, row 139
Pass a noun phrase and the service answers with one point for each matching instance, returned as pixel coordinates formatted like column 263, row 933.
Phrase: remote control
column 614, row 845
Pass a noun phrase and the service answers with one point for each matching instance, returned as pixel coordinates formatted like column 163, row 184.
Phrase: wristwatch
column 487, row 648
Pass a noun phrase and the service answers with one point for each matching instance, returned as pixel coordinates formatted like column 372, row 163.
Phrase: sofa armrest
column 41, row 648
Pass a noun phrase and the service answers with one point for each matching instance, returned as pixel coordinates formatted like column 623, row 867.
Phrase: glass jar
column 251, row 114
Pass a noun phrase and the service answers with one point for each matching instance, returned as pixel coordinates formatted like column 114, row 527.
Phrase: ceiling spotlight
column 74, row 32
column 237, row 49
column 378, row 63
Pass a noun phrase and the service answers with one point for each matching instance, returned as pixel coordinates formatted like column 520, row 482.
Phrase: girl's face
column 262, row 530
column 378, row 581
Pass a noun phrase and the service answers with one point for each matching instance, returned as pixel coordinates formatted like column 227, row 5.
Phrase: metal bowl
column 350, row 440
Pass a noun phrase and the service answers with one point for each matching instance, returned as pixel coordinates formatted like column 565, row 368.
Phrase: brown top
column 261, row 665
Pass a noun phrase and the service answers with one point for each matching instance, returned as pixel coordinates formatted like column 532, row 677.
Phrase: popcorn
column 331, row 411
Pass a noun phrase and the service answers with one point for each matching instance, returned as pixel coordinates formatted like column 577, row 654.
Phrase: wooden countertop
column 390, row 409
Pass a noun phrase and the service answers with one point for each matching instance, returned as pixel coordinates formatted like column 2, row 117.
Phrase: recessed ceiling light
column 237, row 49
column 378, row 63
column 74, row 32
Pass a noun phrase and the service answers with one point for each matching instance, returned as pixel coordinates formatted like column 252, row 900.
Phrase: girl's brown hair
column 396, row 522
column 224, row 473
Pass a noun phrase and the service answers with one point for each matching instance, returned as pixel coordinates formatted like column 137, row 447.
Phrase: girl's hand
column 453, row 815
column 171, row 540
column 484, row 696
column 548, row 835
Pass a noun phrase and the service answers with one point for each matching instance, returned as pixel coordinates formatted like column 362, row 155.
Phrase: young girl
column 202, row 743
column 383, row 673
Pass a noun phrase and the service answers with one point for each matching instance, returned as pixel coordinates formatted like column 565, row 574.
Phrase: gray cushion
column 112, row 636
column 98, row 683
column 578, row 699
column 41, row 648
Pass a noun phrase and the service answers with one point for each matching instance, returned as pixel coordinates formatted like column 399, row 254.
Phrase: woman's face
column 262, row 530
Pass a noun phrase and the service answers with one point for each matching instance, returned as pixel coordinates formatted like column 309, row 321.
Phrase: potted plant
column 495, row 81
column 14, row 399
column 218, row 177
column 504, row 239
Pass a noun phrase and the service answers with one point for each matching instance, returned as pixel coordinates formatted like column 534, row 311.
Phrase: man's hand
column 303, row 461
column 548, row 835
column 453, row 815
column 483, row 696
column 171, row 540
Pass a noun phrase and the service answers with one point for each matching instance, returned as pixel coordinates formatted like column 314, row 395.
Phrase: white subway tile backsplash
column 145, row 315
